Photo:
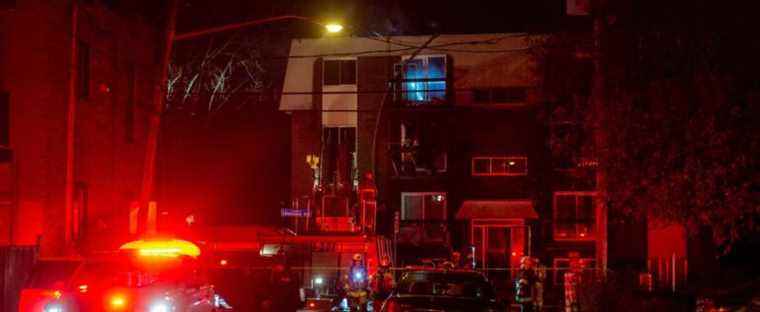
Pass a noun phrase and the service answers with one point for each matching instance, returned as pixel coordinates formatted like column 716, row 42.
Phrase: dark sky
column 386, row 16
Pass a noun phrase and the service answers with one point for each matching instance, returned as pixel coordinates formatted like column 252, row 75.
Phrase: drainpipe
column 71, row 107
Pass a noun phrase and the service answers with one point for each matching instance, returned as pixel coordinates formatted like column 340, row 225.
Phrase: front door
column 498, row 247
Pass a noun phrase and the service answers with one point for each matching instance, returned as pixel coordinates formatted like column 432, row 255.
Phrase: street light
column 334, row 28
column 154, row 121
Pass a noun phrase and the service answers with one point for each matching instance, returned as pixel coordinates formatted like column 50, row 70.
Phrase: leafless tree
column 211, row 78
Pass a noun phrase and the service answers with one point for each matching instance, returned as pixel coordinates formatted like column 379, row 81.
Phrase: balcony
column 415, row 161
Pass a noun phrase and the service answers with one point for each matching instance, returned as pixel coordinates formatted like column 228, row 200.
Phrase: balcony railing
column 415, row 161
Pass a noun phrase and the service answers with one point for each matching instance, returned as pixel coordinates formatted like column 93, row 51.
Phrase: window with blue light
column 424, row 79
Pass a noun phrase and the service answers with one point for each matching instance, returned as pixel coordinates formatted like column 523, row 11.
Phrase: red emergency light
column 171, row 248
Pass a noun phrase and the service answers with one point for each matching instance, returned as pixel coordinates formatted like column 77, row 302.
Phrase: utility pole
column 156, row 109
column 599, row 128
column 71, row 113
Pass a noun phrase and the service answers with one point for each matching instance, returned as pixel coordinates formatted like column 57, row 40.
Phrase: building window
column 83, row 71
column 423, row 79
column 562, row 265
column 574, row 217
column 339, row 72
column 339, row 157
column 5, row 119
column 423, row 206
column 499, row 166
column 502, row 95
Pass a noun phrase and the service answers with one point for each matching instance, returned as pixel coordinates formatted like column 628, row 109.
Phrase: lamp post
column 154, row 121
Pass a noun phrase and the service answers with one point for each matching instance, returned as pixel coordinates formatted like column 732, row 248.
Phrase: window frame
column 340, row 61
column 425, row 58
column 491, row 172
column 424, row 207
column 576, row 235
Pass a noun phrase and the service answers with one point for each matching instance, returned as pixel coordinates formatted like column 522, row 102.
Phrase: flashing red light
column 83, row 288
column 57, row 294
column 514, row 254
column 163, row 248
column 118, row 301
column 223, row 262
column 312, row 304
column 583, row 234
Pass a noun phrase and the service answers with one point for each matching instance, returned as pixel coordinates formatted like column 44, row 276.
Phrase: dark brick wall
column 35, row 66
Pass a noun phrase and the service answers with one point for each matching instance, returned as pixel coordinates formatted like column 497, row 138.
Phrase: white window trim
column 424, row 217
column 491, row 172
column 345, row 58
column 577, row 194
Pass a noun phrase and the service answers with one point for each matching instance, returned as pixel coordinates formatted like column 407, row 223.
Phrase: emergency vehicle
column 144, row 275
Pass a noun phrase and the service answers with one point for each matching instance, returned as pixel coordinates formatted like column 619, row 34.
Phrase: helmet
column 385, row 261
column 357, row 257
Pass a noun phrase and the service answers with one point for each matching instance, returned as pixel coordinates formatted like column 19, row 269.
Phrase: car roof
column 461, row 273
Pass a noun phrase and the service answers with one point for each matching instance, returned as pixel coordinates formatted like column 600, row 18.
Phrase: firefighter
column 382, row 283
column 356, row 286
column 525, row 290
column 455, row 262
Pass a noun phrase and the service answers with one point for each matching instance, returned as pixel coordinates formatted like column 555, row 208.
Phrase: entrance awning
column 496, row 209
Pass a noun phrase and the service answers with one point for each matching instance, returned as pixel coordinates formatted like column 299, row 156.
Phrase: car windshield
column 129, row 273
column 445, row 284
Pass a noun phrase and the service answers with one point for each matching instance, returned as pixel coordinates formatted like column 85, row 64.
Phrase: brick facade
column 34, row 70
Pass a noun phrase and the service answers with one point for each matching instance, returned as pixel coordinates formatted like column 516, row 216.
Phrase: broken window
column 421, row 149
column 423, row 206
column 499, row 166
column 500, row 95
column 339, row 72
column 574, row 216
column 339, row 157
column 423, row 79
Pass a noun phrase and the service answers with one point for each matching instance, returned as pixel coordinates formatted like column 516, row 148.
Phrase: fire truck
column 157, row 275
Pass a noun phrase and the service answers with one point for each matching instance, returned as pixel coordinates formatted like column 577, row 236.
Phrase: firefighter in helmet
column 356, row 286
column 455, row 262
column 382, row 283
column 525, row 291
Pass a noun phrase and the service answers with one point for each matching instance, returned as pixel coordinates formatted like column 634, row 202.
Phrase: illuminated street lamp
column 334, row 28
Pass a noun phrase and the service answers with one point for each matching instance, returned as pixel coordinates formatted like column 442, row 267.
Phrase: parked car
column 443, row 290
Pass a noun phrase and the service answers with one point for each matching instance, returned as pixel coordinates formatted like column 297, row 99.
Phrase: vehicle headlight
column 161, row 306
column 54, row 307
